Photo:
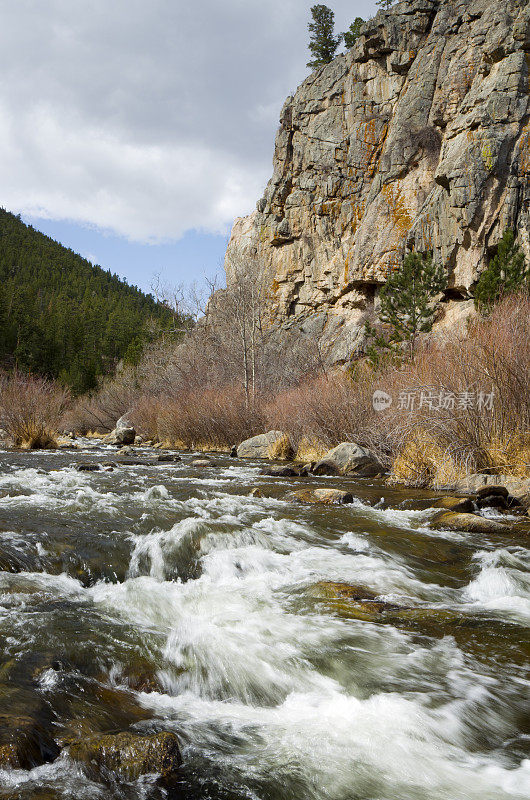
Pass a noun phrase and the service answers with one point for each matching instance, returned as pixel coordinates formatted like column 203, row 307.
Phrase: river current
column 165, row 597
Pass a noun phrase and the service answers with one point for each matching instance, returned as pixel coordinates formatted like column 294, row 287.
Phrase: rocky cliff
column 419, row 136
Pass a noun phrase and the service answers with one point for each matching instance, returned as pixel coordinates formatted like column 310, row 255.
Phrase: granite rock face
column 419, row 136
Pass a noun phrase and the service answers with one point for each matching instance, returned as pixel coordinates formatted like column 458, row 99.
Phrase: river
column 163, row 597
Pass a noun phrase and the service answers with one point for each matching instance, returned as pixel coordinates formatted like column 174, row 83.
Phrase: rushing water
column 165, row 597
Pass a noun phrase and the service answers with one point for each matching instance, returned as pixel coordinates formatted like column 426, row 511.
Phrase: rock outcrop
column 418, row 137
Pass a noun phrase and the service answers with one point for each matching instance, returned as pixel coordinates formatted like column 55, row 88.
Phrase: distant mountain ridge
column 60, row 315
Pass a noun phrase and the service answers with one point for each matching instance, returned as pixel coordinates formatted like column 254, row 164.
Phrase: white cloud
column 145, row 117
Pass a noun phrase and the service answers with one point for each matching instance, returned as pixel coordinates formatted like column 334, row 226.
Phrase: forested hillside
column 62, row 317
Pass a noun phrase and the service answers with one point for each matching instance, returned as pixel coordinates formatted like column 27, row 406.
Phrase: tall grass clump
column 31, row 409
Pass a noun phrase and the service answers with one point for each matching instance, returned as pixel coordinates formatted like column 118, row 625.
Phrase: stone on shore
column 123, row 434
column 265, row 445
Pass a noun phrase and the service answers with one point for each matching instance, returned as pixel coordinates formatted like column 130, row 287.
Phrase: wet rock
column 202, row 462
column 464, row 504
column 25, row 721
column 125, row 451
column 89, row 708
column 498, row 497
column 323, row 496
column 348, row 458
column 360, row 603
column 88, row 467
column 262, row 446
column 281, row 472
column 255, row 493
column 307, row 469
column 130, row 755
column 468, row 523
column 166, row 458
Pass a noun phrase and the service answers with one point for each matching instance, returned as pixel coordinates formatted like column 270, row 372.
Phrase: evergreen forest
column 63, row 317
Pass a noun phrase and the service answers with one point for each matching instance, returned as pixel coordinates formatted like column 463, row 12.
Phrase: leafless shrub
column 428, row 138
column 209, row 418
column 100, row 410
column 31, row 409
column 330, row 410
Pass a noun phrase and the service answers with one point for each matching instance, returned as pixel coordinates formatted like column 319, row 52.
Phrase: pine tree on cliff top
column 408, row 302
column 352, row 34
column 323, row 43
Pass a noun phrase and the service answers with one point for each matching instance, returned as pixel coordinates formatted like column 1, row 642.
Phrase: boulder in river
column 468, row 523
column 202, row 462
column 130, row 755
column 274, row 444
column 323, row 495
column 348, row 458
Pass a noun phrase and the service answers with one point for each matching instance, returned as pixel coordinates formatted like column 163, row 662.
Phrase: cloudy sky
column 134, row 131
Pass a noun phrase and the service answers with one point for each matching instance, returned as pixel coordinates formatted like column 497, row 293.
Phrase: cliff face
column 417, row 137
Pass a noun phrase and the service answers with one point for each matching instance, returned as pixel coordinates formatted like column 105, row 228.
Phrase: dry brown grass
column 310, row 449
column 31, row 410
column 281, row 449
column 422, row 462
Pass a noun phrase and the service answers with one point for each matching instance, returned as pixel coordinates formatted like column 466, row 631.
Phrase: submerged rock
column 130, row 755
column 164, row 458
column 348, row 458
column 323, row 496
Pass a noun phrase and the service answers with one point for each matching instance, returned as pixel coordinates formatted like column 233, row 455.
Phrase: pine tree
column 352, row 34
column 323, row 43
column 506, row 273
column 408, row 302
